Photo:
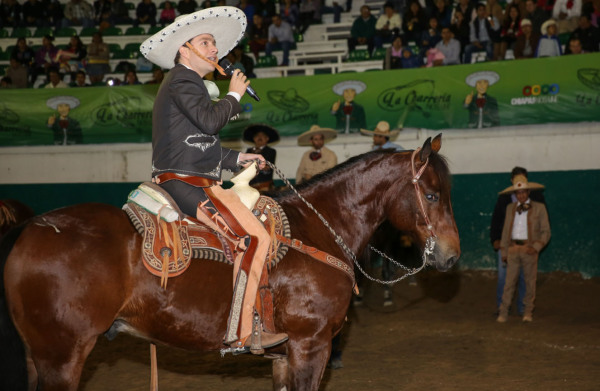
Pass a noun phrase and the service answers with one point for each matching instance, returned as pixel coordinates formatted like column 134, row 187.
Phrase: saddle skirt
column 172, row 239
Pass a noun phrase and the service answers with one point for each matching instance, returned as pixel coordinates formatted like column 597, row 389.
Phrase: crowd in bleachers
column 429, row 33
column 403, row 33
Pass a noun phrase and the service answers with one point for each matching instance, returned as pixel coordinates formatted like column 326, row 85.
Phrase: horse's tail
column 13, row 366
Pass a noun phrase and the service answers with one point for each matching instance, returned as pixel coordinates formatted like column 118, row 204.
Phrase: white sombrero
column 491, row 76
column 547, row 24
column 226, row 24
column 328, row 134
column 382, row 129
column 356, row 85
column 63, row 99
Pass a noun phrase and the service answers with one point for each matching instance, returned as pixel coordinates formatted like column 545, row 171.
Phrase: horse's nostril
column 452, row 261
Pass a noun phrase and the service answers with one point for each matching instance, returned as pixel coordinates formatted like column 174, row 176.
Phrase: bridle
column 429, row 243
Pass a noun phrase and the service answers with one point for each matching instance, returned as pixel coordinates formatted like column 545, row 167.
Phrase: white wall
column 554, row 147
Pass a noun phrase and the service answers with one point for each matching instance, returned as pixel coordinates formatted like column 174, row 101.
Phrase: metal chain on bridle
column 429, row 244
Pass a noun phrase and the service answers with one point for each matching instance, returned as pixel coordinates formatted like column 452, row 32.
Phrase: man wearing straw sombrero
column 381, row 136
column 319, row 158
column 187, row 156
column 525, row 233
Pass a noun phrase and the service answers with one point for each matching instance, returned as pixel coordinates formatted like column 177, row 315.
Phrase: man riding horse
column 188, row 159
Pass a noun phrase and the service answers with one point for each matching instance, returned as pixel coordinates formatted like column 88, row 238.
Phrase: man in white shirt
column 450, row 48
column 387, row 22
column 525, row 233
column 280, row 37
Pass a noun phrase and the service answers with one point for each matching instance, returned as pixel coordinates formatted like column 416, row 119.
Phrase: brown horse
column 75, row 273
column 13, row 213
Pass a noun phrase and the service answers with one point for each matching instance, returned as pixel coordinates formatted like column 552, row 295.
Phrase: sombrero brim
column 392, row 133
column 226, row 24
column 328, row 135
column 547, row 24
column 528, row 186
column 57, row 100
column 251, row 130
column 491, row 77
column 356, row 85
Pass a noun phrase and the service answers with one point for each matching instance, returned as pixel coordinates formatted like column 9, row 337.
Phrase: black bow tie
column 523, row 208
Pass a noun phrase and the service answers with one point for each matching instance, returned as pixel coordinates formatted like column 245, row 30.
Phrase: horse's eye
column 432, row 197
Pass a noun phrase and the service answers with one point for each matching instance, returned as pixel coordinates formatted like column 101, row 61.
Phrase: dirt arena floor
column 439, row 335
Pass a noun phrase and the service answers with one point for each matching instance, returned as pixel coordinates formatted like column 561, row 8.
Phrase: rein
column 429, row 244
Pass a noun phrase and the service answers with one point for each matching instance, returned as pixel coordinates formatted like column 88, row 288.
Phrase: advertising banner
column 504, row 93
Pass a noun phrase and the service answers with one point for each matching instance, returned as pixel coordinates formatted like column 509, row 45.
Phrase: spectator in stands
column 535, row 15
column 574, row 47
column 79, row 80
column 386, row 23
column 290, row 14
column 71, row 59
column 493, row 8
column 520, row 4
column 310, row 13
column 461, row 30
column 496, row 226
column 350, row 116
column 10, row 13
column 54, row 14
column 109, row 13
column 280, row 37
column 527, row 42
column 23, row 54
column 450, row 47
column 549, row 45
column 249, row 10
column 245, row 60
column 260, row 135
column 130, row 78
column 467, row 10
column 97, row 60
column 511, row 29
column 157, row 76
column 185, row 7
column 45, row 57
column 483, row 32
column 54, row 79
column 414, row 22
column 431, row 36
column 319, row 158
column 588, row 35
column 6, row 83
column 266, row 9
column 595, row 13
column 566, row 13
column 331, row 6
column 167, row 15
column 34, row 13
column 399, row 56
column 363, row 30
column 78, row 13
column 483, row 108
column 18, row 74
column 145, row 13
column 259, row 35
column 443, row 13
column 547, row 6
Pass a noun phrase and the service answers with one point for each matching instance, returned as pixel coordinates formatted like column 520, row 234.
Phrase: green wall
column 572, row 197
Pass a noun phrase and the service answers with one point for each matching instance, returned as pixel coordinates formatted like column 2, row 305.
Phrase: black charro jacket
column 186, row 125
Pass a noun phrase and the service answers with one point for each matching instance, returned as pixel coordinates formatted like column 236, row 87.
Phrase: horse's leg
column 307, row 361
column 281, row 374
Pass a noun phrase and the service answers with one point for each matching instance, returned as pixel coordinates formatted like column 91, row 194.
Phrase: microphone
column 228, row 68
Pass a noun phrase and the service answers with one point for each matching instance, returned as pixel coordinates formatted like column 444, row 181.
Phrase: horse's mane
column 438, row 162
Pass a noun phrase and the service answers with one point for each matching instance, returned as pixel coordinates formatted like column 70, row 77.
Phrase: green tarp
column 560, row 89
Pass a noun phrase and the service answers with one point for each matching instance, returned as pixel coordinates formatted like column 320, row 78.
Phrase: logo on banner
column 127, row 111
column 537, row 94
column 590, row 77
column 418, row 95
column 294, row 107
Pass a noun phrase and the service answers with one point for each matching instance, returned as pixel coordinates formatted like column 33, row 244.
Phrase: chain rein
column 429, row 244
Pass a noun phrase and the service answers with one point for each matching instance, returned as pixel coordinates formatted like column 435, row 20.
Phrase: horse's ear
column 425, row 150
column 436, row 143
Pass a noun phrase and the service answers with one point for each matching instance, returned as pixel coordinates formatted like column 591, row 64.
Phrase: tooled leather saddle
column 171, row 240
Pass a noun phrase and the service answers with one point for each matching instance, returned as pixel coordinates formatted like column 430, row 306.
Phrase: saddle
column 171, row 239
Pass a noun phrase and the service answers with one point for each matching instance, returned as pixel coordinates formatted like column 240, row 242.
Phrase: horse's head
column 425, row 208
